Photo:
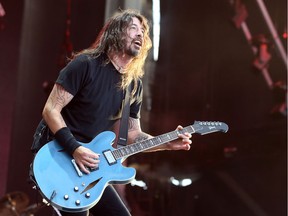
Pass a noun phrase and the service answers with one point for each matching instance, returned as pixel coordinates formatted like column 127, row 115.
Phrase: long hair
column 111, row 38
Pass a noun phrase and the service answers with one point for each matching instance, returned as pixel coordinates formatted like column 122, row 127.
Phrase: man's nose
column 140, row 34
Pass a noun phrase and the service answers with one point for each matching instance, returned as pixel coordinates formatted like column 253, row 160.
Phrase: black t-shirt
column 98, row 101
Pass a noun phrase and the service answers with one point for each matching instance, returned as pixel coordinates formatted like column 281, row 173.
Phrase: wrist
column 66, row 140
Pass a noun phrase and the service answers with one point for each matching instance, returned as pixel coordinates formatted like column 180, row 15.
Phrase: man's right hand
column 85, row 157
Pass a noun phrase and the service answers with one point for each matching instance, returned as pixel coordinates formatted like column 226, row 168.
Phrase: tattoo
column 134, row 126
column 60, row 97
column 141, row 137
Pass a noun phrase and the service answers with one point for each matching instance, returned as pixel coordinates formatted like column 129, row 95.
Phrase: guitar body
column 65, row 188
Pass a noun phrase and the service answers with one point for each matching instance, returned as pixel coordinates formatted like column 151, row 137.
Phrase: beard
column 131, row 48
column 131, row 51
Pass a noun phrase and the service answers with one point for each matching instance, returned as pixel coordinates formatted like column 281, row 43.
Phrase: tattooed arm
column 135, row 134
column 57, row 99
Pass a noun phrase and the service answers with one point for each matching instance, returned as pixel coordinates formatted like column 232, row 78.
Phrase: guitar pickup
column 109, row 157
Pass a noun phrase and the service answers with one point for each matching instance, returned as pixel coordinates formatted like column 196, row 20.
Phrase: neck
column 120, row 61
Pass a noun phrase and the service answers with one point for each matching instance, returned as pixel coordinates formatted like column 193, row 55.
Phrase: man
column 87, row 98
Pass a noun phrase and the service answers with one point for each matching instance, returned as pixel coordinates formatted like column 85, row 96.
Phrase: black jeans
column 110, row 204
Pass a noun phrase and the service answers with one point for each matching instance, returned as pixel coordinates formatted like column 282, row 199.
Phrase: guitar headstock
column 205, row 127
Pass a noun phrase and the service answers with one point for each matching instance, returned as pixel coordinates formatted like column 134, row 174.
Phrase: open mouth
column 138, row 43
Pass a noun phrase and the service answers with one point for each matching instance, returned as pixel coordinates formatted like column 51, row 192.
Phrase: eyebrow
column 142, row 27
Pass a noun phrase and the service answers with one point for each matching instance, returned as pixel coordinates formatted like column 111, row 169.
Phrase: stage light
column 181, row 182
column 174, row 181
column 241, row 13
column 2, row 14
column 139, row 183
column 263, row 56
column 156, row 28
column 186, row 182
column 2, row 11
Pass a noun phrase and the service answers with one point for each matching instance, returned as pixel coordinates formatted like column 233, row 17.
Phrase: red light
column 284, row 35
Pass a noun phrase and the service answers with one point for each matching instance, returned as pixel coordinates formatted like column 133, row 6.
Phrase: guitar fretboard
column 150, row 143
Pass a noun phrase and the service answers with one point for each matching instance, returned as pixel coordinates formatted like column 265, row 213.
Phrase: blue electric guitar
column 68, row 189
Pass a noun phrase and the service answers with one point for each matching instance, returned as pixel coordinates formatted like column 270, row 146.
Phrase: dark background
column 204, row 72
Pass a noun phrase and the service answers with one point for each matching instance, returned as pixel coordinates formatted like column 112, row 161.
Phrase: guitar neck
column 135, row 148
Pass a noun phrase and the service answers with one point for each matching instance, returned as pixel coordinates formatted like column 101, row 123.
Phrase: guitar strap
column 123, row 130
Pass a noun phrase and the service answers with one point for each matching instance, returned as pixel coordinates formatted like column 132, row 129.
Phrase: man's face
column 134, row 38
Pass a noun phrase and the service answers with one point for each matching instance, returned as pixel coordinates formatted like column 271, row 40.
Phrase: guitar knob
column 77, row 202
column 87, row 195
column 66, row 197
column 76, row 189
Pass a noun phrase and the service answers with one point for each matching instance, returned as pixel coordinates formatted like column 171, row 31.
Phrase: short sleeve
column 73, row 76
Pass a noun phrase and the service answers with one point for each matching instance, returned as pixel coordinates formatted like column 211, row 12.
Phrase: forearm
column 56, row 101
column 54, row 120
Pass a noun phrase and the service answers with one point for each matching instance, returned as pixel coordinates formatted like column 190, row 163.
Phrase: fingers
column 86, row 159
column 186, row 137
column 91, row 163
column 87, row 165
column 184, row 141
column 93, row 159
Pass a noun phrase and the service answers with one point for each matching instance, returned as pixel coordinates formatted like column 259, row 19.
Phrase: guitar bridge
column 76, row 168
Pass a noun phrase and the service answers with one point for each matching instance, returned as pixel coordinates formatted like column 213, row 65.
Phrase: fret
column 156, row 141
column 127, row 150
column 168, row 136
column 160, row 139
column 119, row 153
column 135, row 147
column 132, row 148
column 114, row 154
column 123, row 151
column 150, row 141
column 165, row 138
column 139, row 146
column 190, row 129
